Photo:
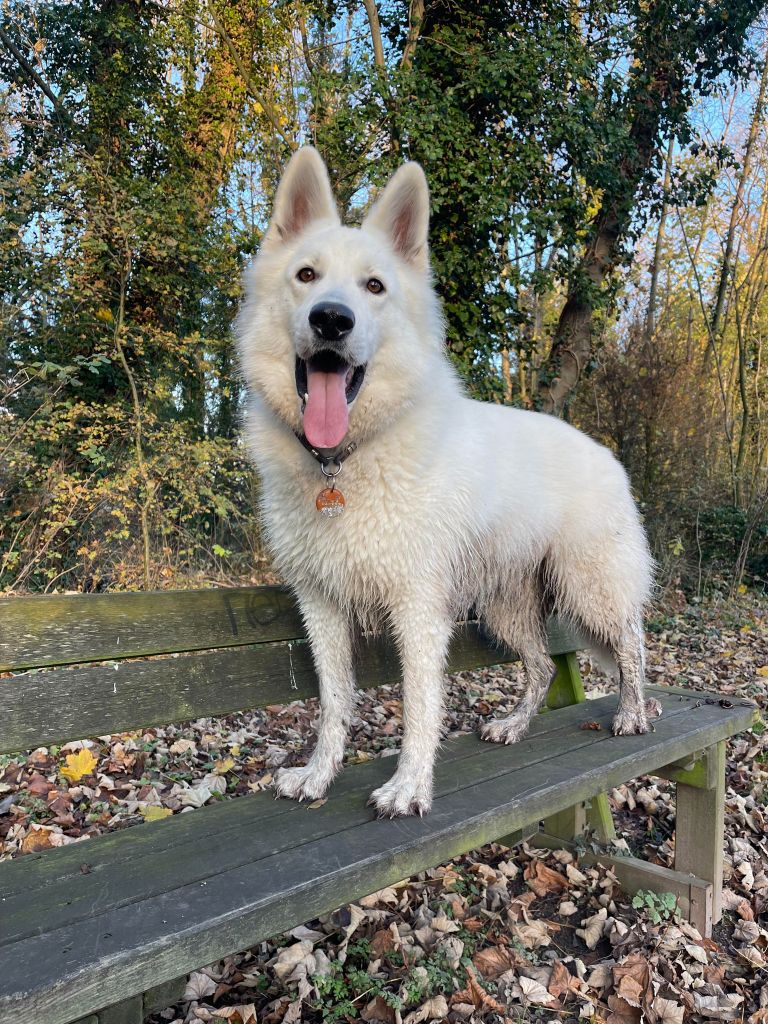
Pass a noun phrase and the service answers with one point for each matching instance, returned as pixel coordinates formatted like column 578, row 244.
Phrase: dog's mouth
column 329, row 385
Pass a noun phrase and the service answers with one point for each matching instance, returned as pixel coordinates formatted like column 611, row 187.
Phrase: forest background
column 599, row 177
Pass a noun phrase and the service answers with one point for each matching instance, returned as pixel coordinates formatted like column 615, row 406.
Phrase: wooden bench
column 107, row 943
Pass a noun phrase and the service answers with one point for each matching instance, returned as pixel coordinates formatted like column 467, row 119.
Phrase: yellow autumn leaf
column 79, row 764
column 105, row 315
column 763, row 671
column 224, row 765
column 154, row 813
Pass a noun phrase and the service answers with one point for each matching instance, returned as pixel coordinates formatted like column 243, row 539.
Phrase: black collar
column 327, row 456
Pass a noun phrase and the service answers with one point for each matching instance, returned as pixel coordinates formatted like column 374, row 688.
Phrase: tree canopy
column 581, row 158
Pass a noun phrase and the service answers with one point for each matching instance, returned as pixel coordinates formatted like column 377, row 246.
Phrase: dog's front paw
column 307, row 783
column 402, row 796
column 630, row 723
column 505, row 730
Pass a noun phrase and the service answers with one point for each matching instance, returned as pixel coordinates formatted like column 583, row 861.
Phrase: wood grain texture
column 40, row 708
column 700, row 825
column 227, row 834
column 66, row 629
column 338, row 852
column 69, row 628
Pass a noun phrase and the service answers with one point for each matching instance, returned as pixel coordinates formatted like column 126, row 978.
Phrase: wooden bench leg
column 699, row 830
column 565, row 689
column 135, row 1009
column 129, row 1011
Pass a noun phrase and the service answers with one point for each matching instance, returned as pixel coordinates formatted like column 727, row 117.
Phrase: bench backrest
column 108, row 663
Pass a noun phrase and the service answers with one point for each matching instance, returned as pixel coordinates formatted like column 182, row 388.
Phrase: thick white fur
column 451, row 503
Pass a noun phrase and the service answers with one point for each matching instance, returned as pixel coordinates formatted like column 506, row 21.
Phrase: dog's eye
column 305, row 275
column 374, row 285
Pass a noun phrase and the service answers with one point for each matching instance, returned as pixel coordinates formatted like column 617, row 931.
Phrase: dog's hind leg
column 422, row 629
column 331, row 639
column 628, row 650
column 517, row 620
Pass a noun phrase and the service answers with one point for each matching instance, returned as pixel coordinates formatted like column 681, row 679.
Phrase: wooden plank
column 121, row 951
column 66, row 629
column 192, row 847
column 41, row 708
column 699, row 830
column 694, row 895
column 698, row 771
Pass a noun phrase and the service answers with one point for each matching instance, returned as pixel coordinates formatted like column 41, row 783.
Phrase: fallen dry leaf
column 622, row 1012
column 667, row 1011
column 592, row 928
column 632, row 979
column 563, row 983
column 77, row 765
column 544, row 880
column 534, row 992
column 150, row 812
column 495, row 960
column 198, row 987
column 434, row 1009
column 36, row 839
column 379, row 1010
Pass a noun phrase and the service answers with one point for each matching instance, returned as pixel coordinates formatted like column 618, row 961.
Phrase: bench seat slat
column 225, row 832
column 41, row 708
column 339, row 852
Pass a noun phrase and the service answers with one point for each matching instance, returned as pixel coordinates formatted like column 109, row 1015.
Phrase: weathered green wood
column 566, row 686
column 565, row 689
column 698, row 771
column 129, row 1011
column 192, row 847
column 161, row 996
column 40, row 708
column 118, row 952
column 66, row 629
column 694, row 894
column 699, row 828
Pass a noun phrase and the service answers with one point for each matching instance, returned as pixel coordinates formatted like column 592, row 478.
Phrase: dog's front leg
column 330, row 636
column 422, row 631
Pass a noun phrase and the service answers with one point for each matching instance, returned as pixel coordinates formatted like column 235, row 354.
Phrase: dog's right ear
column 303, row 196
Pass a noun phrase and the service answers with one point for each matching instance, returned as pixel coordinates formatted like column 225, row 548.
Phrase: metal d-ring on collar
column 327, row 461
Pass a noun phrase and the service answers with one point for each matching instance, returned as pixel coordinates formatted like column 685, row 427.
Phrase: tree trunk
column 726, row 266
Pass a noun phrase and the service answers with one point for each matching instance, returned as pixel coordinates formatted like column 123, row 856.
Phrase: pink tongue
column 326, row 415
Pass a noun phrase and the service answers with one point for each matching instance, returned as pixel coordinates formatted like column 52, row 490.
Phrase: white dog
column 447, row 503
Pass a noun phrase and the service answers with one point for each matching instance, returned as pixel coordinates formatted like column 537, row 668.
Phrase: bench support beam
column 566, row 688
column 694, row 895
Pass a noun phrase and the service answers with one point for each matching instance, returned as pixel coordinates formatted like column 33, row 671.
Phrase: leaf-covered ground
column 499, row 935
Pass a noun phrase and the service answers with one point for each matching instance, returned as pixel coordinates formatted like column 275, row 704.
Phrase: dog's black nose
column 332, row 321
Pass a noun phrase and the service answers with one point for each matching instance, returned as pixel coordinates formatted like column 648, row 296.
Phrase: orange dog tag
column 330, row 502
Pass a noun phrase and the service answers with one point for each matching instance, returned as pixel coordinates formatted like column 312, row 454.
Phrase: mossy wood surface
column 55, row 705
column 166, row 897
column 66, row 629
column 40, row 708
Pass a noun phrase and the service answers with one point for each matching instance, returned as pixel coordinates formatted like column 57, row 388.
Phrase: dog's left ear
column 402, row 213
column 303, row 196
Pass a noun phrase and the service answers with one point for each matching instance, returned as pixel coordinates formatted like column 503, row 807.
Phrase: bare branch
column 266, row 105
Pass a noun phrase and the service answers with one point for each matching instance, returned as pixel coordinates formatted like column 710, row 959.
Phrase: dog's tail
column 603, row 657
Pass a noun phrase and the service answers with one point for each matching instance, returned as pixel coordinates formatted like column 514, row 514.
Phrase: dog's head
column 340, row 325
